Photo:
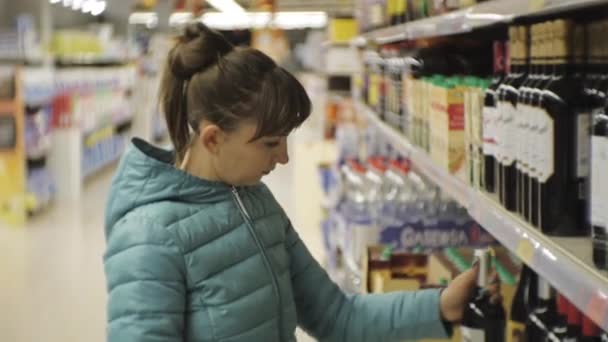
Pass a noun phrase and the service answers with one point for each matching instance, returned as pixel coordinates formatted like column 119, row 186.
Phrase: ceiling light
column 55, row 1
column 77, row 4
column 256, row 20
column 226, row 6
column 67, row 3
column 98, row 8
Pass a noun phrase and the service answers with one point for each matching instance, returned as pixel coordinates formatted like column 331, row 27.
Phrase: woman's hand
column 456, row 296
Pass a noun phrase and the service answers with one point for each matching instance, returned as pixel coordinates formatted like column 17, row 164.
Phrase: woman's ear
column 211, row 137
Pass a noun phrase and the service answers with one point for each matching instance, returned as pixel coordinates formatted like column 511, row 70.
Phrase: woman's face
column 240, row 161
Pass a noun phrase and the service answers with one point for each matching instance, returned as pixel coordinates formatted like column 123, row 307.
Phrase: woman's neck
column 198, row 163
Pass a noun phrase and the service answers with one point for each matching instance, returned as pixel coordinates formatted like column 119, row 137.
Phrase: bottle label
column 472, row 335
column 533, row 141
column 498, row 129
column 516, row 331
column 510, row 133
column 526, row 111
column 599, row 181
column 520, row 138
column 583, row 130
column 546, row 157
column 488, row 132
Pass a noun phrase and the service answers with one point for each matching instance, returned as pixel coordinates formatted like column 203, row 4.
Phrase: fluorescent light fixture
column 180, row 18
column 98, row 8
column 95, row 7
column 150, row 19
column 87, row 6
column 226, row 6
column 77, row 4
column 248, row 20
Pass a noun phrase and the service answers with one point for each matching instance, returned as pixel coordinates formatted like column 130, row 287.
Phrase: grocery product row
column 60, row 126
column 385, row 13
column 524, row 137
column 389, row 228
column 387, row 21
column 509, row 122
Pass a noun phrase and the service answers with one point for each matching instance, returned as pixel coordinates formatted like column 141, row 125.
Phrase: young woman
column 199, row 250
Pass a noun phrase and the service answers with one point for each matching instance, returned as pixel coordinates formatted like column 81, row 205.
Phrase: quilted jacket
column 193, row 260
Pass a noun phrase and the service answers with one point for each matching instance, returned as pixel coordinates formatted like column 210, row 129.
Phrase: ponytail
column 198, row 49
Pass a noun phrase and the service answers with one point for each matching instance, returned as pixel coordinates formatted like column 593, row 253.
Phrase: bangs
column 283, row 103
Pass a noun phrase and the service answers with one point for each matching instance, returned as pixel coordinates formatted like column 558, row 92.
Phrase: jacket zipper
column 275, row 282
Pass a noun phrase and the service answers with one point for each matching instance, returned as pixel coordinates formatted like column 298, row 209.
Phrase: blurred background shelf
column 466, row 20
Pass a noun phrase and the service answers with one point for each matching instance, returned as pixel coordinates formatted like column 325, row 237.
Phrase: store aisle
column 52, row 286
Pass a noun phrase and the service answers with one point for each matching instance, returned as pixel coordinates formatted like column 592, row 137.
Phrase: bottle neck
column 483, row 277
column 544, row 290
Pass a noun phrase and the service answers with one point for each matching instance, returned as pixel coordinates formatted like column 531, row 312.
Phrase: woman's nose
column 283, row 157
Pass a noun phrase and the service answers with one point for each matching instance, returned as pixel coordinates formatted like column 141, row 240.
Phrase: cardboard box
column 447, row 126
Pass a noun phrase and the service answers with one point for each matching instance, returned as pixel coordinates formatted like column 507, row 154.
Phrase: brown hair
column 208, row 78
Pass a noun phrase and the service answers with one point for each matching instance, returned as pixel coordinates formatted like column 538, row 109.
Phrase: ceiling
column 118, row 10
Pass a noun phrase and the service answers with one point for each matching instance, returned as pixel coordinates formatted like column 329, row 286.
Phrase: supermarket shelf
column 465, row 20
column 565, row 262
column 89, row 61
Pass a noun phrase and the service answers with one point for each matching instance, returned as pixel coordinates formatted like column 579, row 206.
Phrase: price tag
column 525, row 251
column 535, row 5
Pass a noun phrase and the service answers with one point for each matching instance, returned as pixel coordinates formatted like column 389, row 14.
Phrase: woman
column 199, row 250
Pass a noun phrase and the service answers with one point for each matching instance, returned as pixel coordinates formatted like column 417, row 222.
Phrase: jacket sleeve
column 328, row 314
column 145, row 274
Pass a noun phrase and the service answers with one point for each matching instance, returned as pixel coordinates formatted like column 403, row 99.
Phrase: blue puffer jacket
column 192, row 260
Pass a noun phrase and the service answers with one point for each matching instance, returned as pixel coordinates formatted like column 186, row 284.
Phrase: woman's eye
column 272, row 144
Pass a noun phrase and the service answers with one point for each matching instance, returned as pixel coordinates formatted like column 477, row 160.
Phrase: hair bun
column 197, row 49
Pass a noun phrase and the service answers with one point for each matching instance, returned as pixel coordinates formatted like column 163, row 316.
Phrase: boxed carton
column 446, row 125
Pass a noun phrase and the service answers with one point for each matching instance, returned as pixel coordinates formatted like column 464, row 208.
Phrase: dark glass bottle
column 544, row 315
column 483, row 320
column 507, row 101
column 599, row 188
column 516, row 326
column 545, row 42
column 599, row 146
column 489, row 118
column 527, row 101
column 559, row 181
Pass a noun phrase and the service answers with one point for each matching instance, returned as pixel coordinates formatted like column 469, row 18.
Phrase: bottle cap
column 482, row 256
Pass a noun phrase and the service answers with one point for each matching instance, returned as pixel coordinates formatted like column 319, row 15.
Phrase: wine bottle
column 558, row 331
column 483, row 319
column 516, row 326
column 489, row 118
column 559, row 213
column 522, row 124
column 599, row 147
column 508, row 95
column 542, row 317
column 498, row 126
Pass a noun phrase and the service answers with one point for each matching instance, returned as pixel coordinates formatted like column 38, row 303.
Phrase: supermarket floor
column 52, row 286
